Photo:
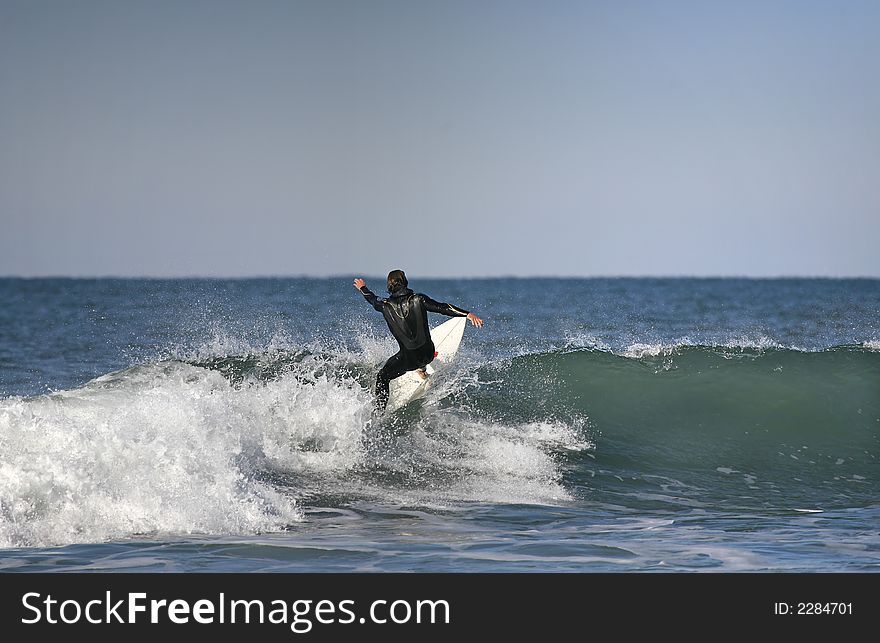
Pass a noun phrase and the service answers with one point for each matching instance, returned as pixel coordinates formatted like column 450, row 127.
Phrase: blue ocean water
column 591, row 425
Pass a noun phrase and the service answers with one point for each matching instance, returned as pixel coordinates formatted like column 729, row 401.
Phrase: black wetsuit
column 406, row 313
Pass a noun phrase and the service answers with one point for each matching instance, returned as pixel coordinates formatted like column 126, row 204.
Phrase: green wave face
column 778, row 420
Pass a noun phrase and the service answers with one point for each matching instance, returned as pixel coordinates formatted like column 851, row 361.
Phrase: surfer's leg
column 394, row 367
column 422, row 358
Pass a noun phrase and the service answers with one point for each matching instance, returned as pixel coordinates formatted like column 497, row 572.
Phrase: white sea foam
column 645, row 349
column 639, row 351
column 174, row 448
column 873, row 345
column 167, row 448
column 496, row 462
column 586, row 341
column 760, row 342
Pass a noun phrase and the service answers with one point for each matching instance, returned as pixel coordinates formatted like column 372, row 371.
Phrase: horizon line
column 256, row 277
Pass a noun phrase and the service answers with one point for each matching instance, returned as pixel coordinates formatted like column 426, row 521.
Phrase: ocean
column 592, row 425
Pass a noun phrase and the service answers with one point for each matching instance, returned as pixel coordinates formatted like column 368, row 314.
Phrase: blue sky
column 446, row 138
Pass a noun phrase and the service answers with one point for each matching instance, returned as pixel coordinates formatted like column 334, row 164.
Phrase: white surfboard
column 410, row 386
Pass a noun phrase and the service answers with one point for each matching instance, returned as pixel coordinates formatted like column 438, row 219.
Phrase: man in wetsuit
column 406, row 313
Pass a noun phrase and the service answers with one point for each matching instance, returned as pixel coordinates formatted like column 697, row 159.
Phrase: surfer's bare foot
column 421, row 373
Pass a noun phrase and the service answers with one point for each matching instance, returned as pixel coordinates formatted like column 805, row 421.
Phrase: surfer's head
column 396, row 280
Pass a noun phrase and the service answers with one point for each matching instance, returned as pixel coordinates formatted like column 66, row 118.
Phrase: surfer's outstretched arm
column 368, row 294
column 450, row 311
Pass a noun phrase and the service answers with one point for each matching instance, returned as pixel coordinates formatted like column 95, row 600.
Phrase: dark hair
column 396, row 280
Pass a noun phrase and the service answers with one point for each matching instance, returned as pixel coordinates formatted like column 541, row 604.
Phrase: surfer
column 406, row 313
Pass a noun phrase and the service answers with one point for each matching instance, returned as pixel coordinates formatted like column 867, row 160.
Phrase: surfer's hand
column 476, row 321
column 359, row 283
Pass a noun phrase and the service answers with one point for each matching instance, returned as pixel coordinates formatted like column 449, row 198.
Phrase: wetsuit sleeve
column 372, row 298
column 444, row 309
